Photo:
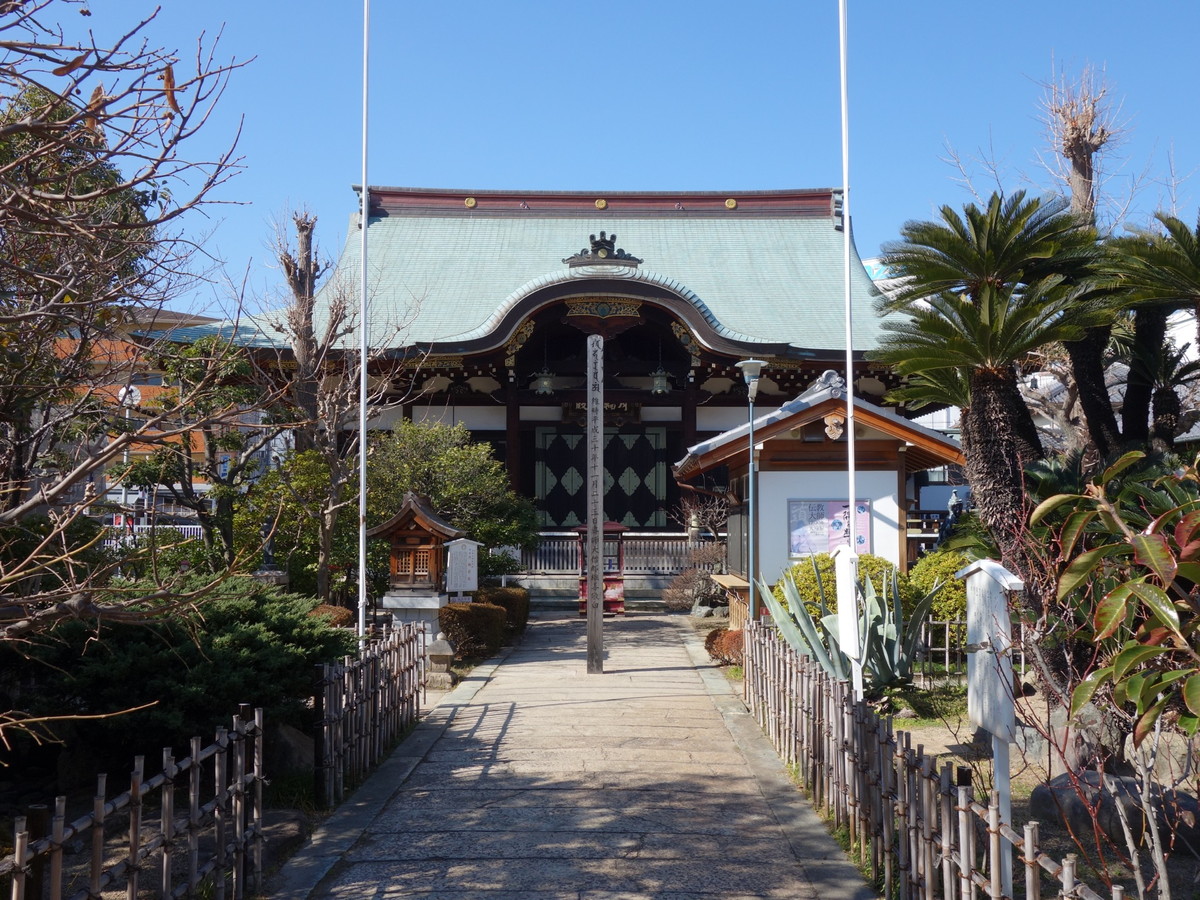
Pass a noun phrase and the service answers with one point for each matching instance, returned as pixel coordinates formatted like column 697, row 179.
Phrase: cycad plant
column 888, row 639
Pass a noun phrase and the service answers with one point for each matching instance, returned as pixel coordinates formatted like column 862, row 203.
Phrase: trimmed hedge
column 475, row 629
column 515, row 601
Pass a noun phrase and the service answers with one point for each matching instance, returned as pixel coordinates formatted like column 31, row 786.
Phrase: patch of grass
column 293, row 791
column 933, row 705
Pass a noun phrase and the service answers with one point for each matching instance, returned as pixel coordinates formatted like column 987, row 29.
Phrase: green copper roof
column 448, row 275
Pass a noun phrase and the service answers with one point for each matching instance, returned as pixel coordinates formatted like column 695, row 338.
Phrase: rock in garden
column 1074, row 800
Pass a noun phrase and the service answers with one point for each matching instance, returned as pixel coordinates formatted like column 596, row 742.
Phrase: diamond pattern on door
column 635, row 477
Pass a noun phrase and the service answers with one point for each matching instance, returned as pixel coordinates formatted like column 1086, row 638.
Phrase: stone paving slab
column 533, row 779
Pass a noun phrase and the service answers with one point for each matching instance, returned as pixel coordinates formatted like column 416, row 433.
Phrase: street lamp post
column 129, row 397
column 751, row 369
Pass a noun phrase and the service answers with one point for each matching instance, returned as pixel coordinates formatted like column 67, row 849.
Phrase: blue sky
column 666, row 95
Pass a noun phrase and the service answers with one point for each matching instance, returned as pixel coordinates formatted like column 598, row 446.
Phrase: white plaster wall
column 776, row 488
column 662, row 414
column 722, row 418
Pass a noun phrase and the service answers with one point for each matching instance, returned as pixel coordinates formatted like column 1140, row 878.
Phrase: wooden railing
column 918, row 831
column 164, row 853
column 363, row 706
column 557, row 553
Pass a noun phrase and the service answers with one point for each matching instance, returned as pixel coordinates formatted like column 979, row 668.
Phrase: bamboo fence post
column 887, row 806
column 238, row 806
column 220, row 800
column 849, row 765
column 995, row 846
column 321, row 772
column 914, row 812
column 903, row 863
column 135, row 827
column 965, row 860
column 257, row 811
column 37, row 825
column 948, row 828
column 99, row 811
column 20, row 857
column 928, row 781
column 193, row 837
column 1118, row 892
column 1068, row 875
column 1033, row 872
column 167, row 822
column 57, row 835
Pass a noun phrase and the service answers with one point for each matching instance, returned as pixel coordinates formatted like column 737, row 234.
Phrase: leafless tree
column 95, row 175
column 322, row 384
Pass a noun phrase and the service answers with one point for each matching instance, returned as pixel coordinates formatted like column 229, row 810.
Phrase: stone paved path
column 533, row 779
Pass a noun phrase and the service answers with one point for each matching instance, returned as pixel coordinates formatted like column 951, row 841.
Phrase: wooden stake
column 595, row 504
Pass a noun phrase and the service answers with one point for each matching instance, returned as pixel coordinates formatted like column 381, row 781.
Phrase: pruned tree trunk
column 994, row 470
column 1149, row 338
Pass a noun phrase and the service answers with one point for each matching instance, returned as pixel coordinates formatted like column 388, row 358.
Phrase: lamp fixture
column 543, row 379
column 660, row 378
column 751, row 370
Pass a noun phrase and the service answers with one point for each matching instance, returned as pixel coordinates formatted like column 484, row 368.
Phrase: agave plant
column 888, row 640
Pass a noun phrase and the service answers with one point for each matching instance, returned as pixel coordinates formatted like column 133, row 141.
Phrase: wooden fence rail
column 363, row 706
column 917, row 829
column 165, row 852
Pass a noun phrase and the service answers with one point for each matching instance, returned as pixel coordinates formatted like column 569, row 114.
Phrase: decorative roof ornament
column 604, row 252
column 830, row 381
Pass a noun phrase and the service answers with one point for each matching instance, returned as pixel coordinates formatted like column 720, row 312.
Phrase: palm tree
column 982, row 291
column 1161, row 274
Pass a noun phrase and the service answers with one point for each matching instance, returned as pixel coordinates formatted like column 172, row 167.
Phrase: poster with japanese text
column 817, row 526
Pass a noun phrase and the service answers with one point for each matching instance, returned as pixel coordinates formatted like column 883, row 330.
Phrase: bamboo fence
column 917, row 831
column 363, row 706
column 211, row 846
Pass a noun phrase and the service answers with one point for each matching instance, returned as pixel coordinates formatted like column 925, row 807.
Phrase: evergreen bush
column 475, row 629
column 246, row 643
column 939, row 566
column 815, row 577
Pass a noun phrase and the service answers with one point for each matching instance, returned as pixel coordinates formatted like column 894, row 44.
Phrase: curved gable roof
column 768, row 270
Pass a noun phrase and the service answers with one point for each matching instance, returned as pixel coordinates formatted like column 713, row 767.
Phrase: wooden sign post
column 991, row 703
column 595, row 504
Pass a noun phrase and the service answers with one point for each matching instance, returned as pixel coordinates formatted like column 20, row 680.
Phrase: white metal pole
column 362, row 346
column 852, row 524
column 751, row 543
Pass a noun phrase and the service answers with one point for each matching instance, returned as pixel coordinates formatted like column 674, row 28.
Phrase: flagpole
column 852, row 500
column 362, row 345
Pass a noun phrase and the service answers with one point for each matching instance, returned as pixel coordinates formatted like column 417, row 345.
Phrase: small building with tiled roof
column 803, row 482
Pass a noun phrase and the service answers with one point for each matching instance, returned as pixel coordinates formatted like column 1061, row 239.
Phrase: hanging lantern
column 660, row 381
column 543, row 382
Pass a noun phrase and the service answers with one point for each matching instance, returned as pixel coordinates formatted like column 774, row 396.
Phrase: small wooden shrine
column 418, row 538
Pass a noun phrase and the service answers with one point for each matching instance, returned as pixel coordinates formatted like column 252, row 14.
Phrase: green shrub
column 515, row 601
column 812, row 583
column 247, row 643
column 475, row 629
column 950, row 605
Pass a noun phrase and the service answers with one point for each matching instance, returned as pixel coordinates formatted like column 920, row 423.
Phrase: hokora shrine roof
column 448, row 268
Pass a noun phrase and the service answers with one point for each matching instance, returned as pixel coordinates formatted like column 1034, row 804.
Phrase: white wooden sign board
column 989, row 670
column 462, row 565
